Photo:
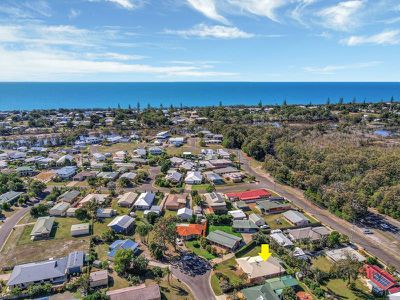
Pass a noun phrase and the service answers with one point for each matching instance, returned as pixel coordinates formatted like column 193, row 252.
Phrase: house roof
column 281, row 239
column 122, row 244
column 256, row 267
column 244, row 224
column 236, row 214
column 98, row 275
column 223, row 238
column 380, row 277
column 190, row 229
column 175, row 199
column 75, row 259
column 145, row 199
column 184, row 211
column 128, row 198
column 294, row 216
column 9, row 196
column 268, row 205
column 226, row 170
column 121, row 221
column 259, row 292
column 140, row 292
column 83, row 226
column 310, row 233
column 69, row 196
column 38, row 271
column 61, row 206
column 43, row 225
column 343, row 253
column 279, row 283
column 194, row 175
column 250, row 195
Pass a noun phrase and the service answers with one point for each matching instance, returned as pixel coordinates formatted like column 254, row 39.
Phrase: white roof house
column 256, row 268
column 144, row 201
column 99, row 157
column 173, row 176
column 66, row 172
column 237, row 214
column 295, row 217
column 65, row 158
column 99, row 198
column 60, row 209
column 281, row 239
column 342, row 253
column 193, row 177
column 184, row 213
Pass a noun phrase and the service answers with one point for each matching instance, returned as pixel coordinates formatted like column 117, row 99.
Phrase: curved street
column 8, row 225
column 199, row 285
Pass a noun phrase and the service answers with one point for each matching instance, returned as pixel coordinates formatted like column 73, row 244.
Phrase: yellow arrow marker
column 265, row 254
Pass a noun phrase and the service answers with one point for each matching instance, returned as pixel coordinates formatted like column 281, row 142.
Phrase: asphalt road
column 199, row 285
column 9, row 224
column 383, row 247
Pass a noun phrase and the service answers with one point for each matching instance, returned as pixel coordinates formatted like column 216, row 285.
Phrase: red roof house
column 191, row 231
column 249, row 196
column 380, row 280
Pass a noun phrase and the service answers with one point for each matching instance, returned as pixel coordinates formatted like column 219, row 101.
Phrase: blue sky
column 199, row 40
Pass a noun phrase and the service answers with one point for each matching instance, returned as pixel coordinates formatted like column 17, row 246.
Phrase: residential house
column 59, row 210
column 98, row 198
column 214, row 178
column 10, row 197
column 272, row 207
column 156, row 151
column 140, row 292
column 280, row 238
column 176, row 161
column 25, row 171
column 99, row 157
column 175, row 201
column 249, row 196
column 54, row 271
column 163, row 135
column 224, row 240
column 258, row 220
column 144, row 201
column 108, row 175
column 311, row 234
column 336, row 255
column 234, row 177
column 98, row 278
column 193, row 177
column 66, row 172
column 80, row 229
column 122, row 244
column 221, row 163
column 127, row 199
column 122, row 224
column 156, row 209
column 173, row 176
column 129, row 175
column 184, row 213
column 191, row 231
column 177, row 141
column 296, row 218
column 237, row 214
column 140, row 152
column 271, row 290
column 42, row 228
column 379, row 281
column 224, row 171
column 71, row 211
column 244, row 226
column 69, row 196
column 215, row 202
column 66, row 159
column 257, row 269
column 187, row 166
column 105, row 212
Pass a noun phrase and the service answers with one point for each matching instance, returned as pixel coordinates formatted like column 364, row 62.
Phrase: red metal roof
column 380, row 277
column 190, row 229
column 250, row 195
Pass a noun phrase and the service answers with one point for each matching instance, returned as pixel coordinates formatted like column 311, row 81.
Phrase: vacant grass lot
column 276, row 221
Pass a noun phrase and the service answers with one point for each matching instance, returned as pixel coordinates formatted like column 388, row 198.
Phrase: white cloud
column 208, row 8
column 300, row 10
column 389, row 37
column 218, row 31
column 74, row 13
column 124, row 3
column 25, row 9
column 263, row 8
column 342, row 16
column 32, row 65
column 332, row 69
column 114, row 56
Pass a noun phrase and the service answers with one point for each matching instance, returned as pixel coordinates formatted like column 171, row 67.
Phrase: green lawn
column 227, row 229
column 215, row 285
column 61, row 230
column 230, row 269
column 120, row 210
column 170, row 213
column 272, row 219
column 199, row 187
column 322, row 263
column 199, row 251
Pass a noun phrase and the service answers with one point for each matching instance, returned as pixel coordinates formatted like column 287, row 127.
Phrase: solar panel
column 381, row 280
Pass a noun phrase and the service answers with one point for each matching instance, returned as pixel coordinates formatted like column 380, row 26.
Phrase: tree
column 348, row 268
column 82, row 214
column 165, row 166
column 39, row 210
column 124, row 182
column 333, row 239
column 165, row 232
column 143, row 230
column 97, row 295
column 91, row 207
column 168, row 273
column 139, row 265
column 122, row 261
column 36, row 188
column 288, row 294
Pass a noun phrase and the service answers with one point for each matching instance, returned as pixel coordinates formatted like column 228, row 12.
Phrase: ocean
column 28, row 96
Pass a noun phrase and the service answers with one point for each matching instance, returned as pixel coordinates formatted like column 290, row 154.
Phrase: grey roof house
column 296, row 218
column 224, row 240
column 42, row 228
column 10, row 197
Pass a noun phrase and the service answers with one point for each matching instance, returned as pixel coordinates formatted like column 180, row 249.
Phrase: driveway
column 199, row 285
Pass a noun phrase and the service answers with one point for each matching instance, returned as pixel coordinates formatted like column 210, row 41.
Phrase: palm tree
column 168, row 274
